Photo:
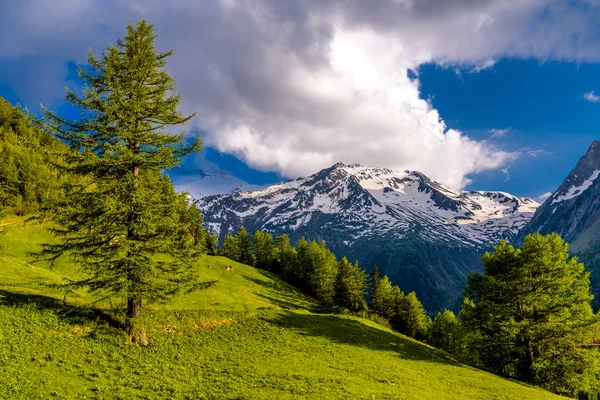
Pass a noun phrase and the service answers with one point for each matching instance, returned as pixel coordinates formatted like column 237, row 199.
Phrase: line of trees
column 527, row 317
column 338, row 285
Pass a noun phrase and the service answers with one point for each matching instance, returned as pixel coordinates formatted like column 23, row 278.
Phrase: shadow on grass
column 352, row 332
column 70, row 313
column 290, row 296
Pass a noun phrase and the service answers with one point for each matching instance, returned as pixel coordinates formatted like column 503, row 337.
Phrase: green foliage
column 445, row 332
column 212, row 241
column 410, row 317
column 531, row 316
column 244, row 245
column 285, row 257
column 28, row 178
column 191, row 219
column 123, row 222
column 323, row 269
column 230, row 248
column 382, row 295
column 264, row 249
column 350, row 286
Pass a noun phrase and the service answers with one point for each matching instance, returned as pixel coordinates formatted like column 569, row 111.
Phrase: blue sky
column 486, row 95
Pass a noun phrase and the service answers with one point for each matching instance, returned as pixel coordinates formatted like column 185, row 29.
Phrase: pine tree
column 531, row 315
column 444, row 331
column 302, row 266
column 350, row 286
column 115, row 223
column 230, row 249
column 264, row 249
column 192, row 218
column 382, row 295
column 212, row 241
column 411, row 318
column 244, row 245
column 323, row 272
column 285, row 257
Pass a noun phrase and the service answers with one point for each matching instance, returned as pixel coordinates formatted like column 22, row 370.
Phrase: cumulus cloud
column 590, row 96
column 294, row 86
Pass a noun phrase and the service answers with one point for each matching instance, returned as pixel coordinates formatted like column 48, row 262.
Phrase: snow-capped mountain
column 574, row 207
column 366, row 201
column 425, row 236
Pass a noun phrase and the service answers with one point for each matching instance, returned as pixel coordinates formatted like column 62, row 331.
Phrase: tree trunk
column 136, row 331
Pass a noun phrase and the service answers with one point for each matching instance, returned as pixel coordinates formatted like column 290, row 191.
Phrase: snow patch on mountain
column 575, row 191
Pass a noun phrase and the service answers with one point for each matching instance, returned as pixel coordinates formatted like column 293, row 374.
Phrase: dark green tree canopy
column 531, row 314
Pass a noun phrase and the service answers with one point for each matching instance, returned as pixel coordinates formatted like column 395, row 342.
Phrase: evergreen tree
column 350, row 286
column 212, row 241
column 285, row 257
column 264, row 249
column 411, row 318
column 303, row 264
column 531, row 315
column 382, row 295
column 192, row 218
column 244, row 246
column 444, row 331
column 230, row 248
column 324, row 269
column 115, row 223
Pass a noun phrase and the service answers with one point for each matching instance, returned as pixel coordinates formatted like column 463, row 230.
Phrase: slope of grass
column 248, row 336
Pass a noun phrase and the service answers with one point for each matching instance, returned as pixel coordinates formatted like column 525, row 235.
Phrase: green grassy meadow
column 248, row 336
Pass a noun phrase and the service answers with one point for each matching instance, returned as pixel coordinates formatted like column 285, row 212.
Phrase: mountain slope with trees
column 424, row 236
column 229, row 340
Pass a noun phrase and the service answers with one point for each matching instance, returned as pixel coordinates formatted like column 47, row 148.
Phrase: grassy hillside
column 247, row 336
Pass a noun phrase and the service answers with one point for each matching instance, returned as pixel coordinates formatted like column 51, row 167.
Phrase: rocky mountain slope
column 573, row 211
column 426, row 236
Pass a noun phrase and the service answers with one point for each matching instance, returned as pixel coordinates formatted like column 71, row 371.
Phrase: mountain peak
column 581, row 177
column 594, row 149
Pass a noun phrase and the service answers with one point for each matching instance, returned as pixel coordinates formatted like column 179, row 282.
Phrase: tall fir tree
column 122, row 230
column 410, row 317
column 230, row 249
column 350, row 287
column 244, row 245
column 285, row 257
column 302, row 266
column 531, row 316
column 382, row 295
column 212, row 241
column 264, row 249
column 324, row 269
column 444, row 331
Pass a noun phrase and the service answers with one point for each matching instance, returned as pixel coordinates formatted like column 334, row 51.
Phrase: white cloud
column 590, row 96
column 498, row 133
column 541, row 198
column 295, row 86
column 482, row 65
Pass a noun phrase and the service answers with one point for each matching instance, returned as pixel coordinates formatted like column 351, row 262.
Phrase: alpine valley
column 426, row 237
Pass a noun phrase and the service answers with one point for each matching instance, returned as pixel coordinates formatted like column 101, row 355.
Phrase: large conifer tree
column 120, row 221
column 531, row 315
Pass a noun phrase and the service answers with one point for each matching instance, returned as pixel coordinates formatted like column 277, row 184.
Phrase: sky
column 477, row 94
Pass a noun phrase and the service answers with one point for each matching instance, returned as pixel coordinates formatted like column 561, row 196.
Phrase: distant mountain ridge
column 426, row 236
